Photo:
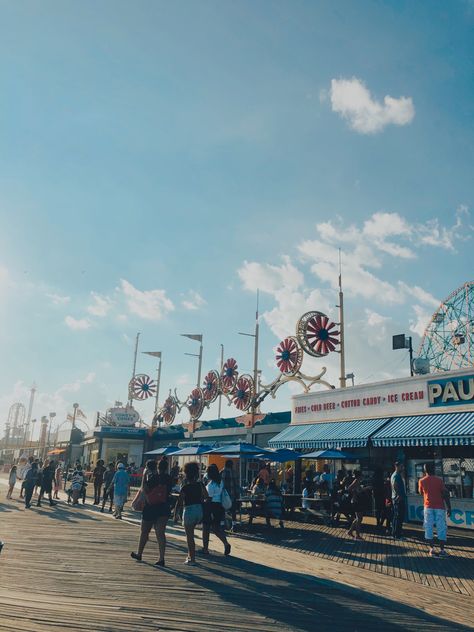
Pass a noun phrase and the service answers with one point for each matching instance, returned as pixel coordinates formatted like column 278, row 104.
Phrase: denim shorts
column 192, row 515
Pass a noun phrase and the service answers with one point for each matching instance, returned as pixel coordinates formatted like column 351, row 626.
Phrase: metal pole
column 199, row 366
column 341, row 326
column 222, row 365
column 158, row 379
column 30, row 410
column 255, row 363
column 410, row 350
column 134, row 364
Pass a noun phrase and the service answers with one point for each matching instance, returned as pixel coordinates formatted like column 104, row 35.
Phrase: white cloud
column 148, row 304
column 101, row 305
column 420, row 321
column 270, row 278
column 193, row 301
column 77, row 324
column 57, row 299
column 352, row 100
column 433, row 234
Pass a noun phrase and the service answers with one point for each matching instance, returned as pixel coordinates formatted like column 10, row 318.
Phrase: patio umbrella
column 280, row 456
column 194, row 450
column 169, row 449
column 241, row 450
column 330, row 455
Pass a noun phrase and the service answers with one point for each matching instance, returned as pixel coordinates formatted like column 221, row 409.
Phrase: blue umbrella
column 280, row 456
column 329, row 455
column 240, row 450
column 194, row 450
column 169, row 449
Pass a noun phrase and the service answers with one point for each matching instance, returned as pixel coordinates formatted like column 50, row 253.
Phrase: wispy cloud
column 101, row 305
column 57, row 299
column 193, row 301
column 353, row 101
column 77, row 324
column 148, row 304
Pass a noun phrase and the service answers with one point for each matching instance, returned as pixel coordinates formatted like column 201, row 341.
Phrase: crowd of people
column 208, row 499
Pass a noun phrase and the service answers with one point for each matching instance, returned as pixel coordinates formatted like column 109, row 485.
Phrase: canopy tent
column 169, row 449
column 329, row 455
column 240, row 450
column 441, row 429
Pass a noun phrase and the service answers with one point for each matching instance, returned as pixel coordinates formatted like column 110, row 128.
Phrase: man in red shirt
column 435, row 497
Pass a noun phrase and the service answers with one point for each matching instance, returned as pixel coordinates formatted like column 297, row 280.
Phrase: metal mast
column 342, row 377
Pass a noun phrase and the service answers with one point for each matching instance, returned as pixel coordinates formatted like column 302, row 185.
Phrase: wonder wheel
column 211, row 387
column 289, row 356
column 142, row 387
column 229, row 375
column 195, row 403
column 243, row 392
column 317, row 334
column 448, row 341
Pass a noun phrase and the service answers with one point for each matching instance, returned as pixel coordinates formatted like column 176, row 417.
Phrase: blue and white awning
column 427, row 430
column 328, row 435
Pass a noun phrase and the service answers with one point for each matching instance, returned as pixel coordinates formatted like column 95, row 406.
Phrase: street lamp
column 197, row 337
column 400, row 341
column 255, row 357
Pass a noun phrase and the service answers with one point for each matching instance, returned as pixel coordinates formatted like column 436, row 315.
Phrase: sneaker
column 433, row 553
column 135, row 556
column 205, row 552
column 227, row 549
column 102, row 510
column 189, row 561
column 443, row 553
column 160, row 563
column 2, row 544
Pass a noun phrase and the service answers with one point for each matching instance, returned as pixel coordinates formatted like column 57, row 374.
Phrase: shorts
column 214, row 514
column 151, row 513
column 434, row 517
column 192, row 515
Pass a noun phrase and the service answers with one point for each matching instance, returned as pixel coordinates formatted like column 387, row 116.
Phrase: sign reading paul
column 456, row 391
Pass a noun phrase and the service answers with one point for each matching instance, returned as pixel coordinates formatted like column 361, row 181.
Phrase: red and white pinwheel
column 142, row 387
column 243, row 392
column 229, row 375
column 168, row 412
column 317, row 334
column 289, row 356
column 211, row 387
column 195, row 403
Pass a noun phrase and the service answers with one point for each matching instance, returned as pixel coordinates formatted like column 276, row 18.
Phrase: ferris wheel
column 448, row 341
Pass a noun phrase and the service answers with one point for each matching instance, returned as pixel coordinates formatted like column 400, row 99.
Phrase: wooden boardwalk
column 65, row 568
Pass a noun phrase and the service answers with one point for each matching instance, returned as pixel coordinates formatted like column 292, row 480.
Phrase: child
column 11, row 481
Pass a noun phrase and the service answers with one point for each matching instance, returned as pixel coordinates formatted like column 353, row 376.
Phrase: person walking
column 98, row 478
column 58, row 475
column 214, row 511
column 273, row 504
column 156, row 485
column 231, row 484
column 120, row 482
column 359, row 502
column 436, row 505
column 30, row 483
column 11, row 481
column 47, row 483
column 192, row 496
column 108, row 487
column 399, row 501
column 23, row 474
column 77, row 484
column 378, row 486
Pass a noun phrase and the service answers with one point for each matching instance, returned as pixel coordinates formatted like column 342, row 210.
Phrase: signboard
column 123, row 416
column 112, row 430
column 407, row 396
column 462, row 511
column 451, row 391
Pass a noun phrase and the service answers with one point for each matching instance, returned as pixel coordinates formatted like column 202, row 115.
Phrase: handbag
column 226, row 500
column 138, row 503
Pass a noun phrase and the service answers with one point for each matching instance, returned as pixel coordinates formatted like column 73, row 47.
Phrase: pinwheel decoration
column 243, row 393
column 229, row 375
column 195, row 403
column 168, row 412
column 142, row 387
column 289, row 356
column 317, row 334
column 211, row 387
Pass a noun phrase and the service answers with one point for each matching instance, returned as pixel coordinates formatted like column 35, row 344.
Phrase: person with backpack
column 47, row 484
column 214, row 512
column 30, row 483
column 156, row 487
column 120, row 482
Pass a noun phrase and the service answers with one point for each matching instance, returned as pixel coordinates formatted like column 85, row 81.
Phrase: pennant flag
column 80, row 414
column 155, row 354
column 197, row 337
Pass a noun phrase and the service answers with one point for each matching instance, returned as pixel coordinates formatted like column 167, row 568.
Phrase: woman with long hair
column 214, row 511
column 156, row 485
column 358, row 501
column 192, row 495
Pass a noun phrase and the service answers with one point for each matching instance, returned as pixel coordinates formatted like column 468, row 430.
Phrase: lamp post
column 255, row 336
column 197, row 337
column 51, row 417
column 400, row 341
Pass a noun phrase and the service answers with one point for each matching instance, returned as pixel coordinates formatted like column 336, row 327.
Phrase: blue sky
column 159, row 161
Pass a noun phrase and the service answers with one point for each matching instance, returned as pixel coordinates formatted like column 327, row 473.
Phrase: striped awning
column 328, row 435
column 427, row 430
